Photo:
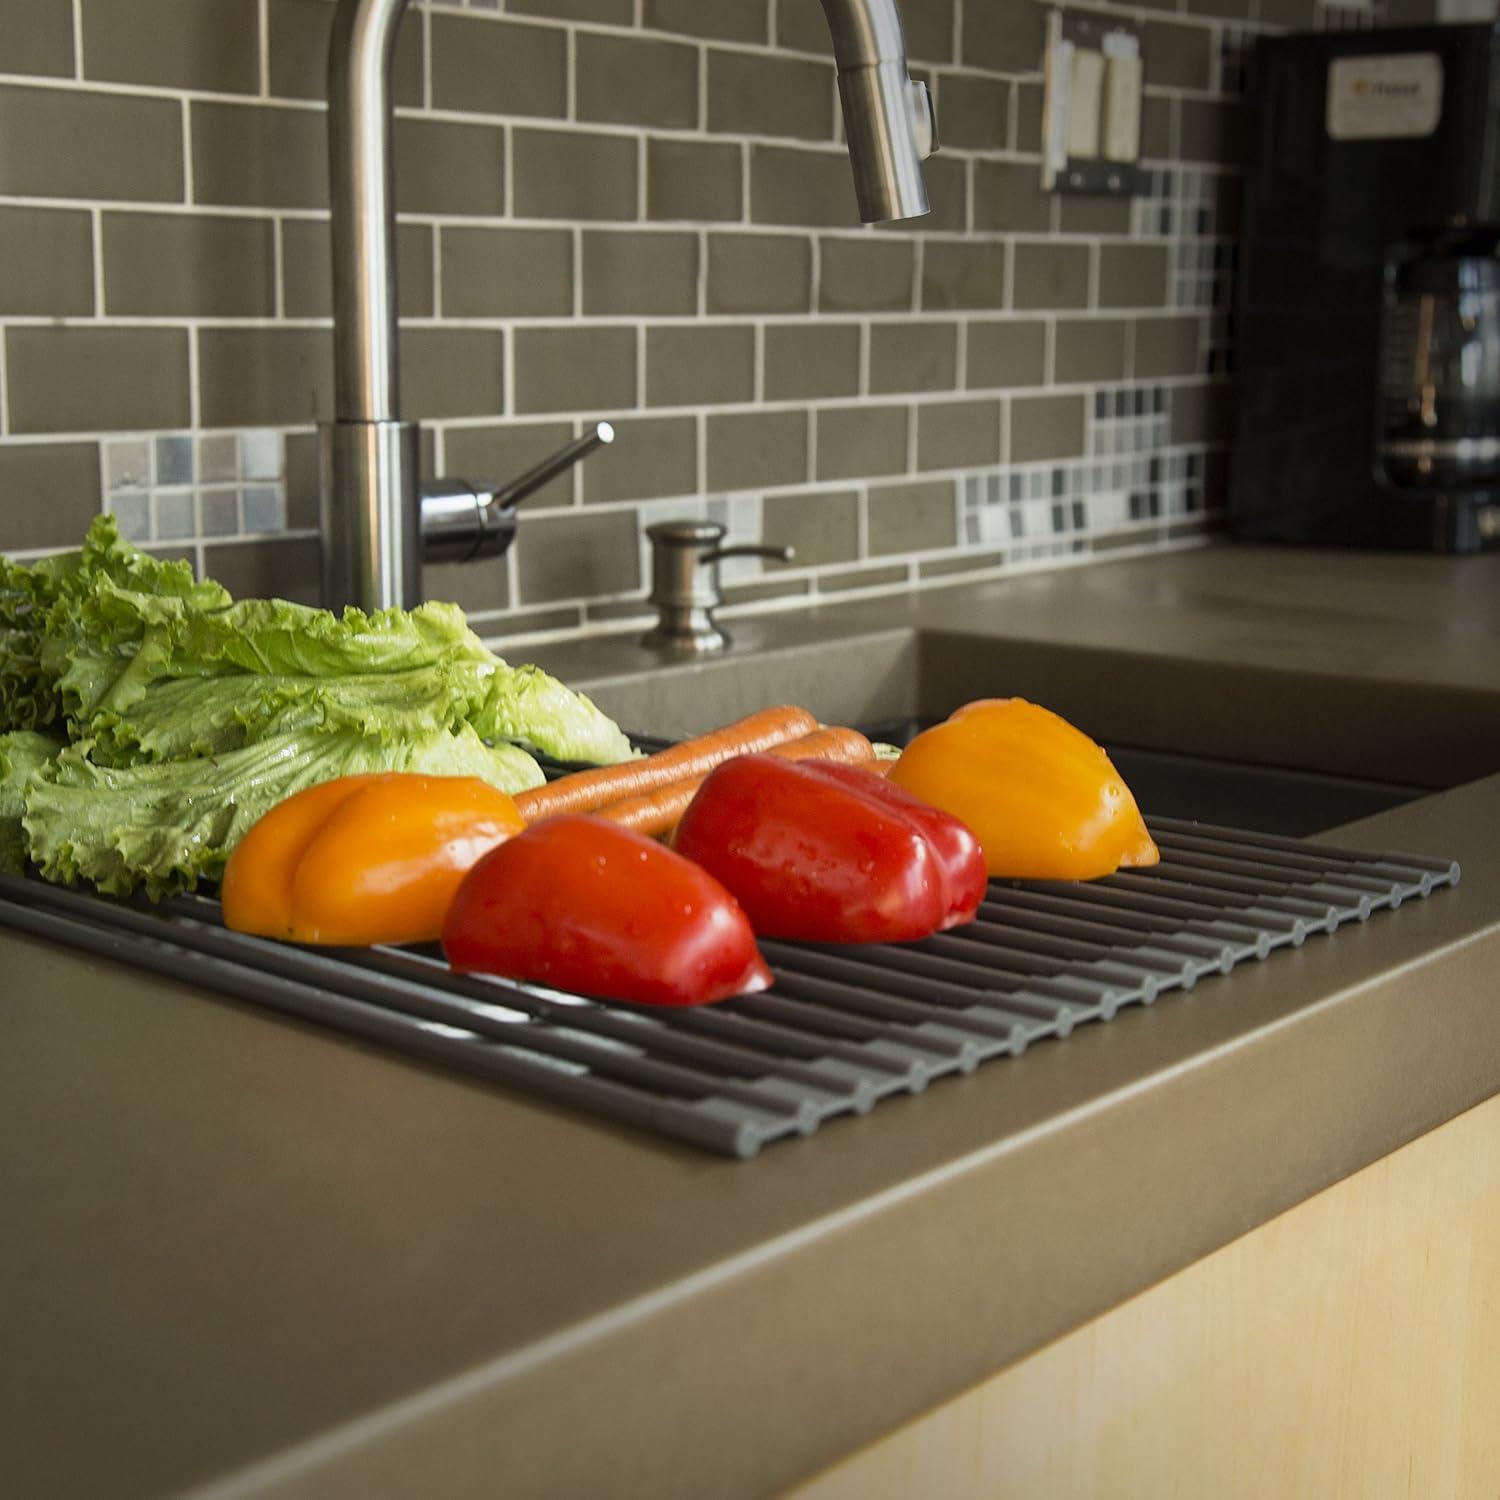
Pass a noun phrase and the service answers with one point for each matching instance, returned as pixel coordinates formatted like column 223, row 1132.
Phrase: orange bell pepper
column 364, row 859
column 1042, row 797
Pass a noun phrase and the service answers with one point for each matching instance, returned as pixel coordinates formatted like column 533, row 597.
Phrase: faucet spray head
column 889, row 118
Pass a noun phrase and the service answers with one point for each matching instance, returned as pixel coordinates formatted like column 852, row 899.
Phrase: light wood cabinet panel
column 1346, row 1350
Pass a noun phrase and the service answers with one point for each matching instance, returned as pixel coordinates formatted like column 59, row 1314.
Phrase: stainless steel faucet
column 377, row 524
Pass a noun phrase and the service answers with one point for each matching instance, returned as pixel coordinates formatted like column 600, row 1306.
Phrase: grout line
column 195, row 414
column 437, row 271
column 78, row 41
column 278, row 267
column 700, row 453
column 570, row 82
column 263, row 46
column 427, row 92
column 187, row 152
column 96, row 235
column 758, row 356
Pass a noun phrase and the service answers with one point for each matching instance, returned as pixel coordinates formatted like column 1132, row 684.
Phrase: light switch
column 1122, row 98
column 1085, row 101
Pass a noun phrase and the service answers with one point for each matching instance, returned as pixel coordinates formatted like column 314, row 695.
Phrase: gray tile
column 758, row 94
column 804, row 187
column 700, row 365
column 1211, row 130
column 452, row 372
column 1132, row 275
column 912, row 517
column 173, row 519
column 963, row 274
column 575, row 369
column 92, row 379
column 188, row 265
column 186, row 44
column 800, row 25
column 524, row 621
column 49, row 492
column 127, row 464
column 605, row 12
column 1028, row 136
column 1045, row 427
column 299, row 32
column 1051, row 275
column 282, row 568
column 862, row 578
column 302, row 482
column 1167, row 346
column 972, row 111
column 1233, row 10
column 1004, row 35
column 90, row 145
column 1156, row 128
column 1008, row 196
column 1289, row 15
column 48, row 258
column 1176, row 56
column 264, row 377
column 928, row 25
column 443, row 167
column 970, row 562
column 174, row 459
column 36, row 36
column 695, row 180
column 1093, row 214
column 854, row 441
column 628, row 272
column 477, row 586
column 724, row 20
column 636, row 81
column 805, row 361
column 132, row 513
column 261, row 510
column 307, row 272
column 498, row 273
column 865, row 274
column 501, row 454
column 1089, row 350
column 1002, row 355
column 750, row 273
column 491, row 67
column 263, row 156
column 573, row 175
column 913, row 357
column 1200, row 413
column 218, row 459
column 260, row 454
column 650, row 458
column 779, row 588
column 577, row 556
column 750, row 450
column 958, row 434
column 821, row 528
column 220, row 512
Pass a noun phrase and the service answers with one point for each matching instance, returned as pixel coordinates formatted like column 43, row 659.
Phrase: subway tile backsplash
column 637, row 210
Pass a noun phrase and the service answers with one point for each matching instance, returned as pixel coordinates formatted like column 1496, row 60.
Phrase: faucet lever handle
column 549, row 468
column 749, row 549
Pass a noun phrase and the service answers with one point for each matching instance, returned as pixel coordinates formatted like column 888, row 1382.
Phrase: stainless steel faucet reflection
column 378, row 525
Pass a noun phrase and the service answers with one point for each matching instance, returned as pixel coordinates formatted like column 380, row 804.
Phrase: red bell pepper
column 582, row 904
column 831, row 853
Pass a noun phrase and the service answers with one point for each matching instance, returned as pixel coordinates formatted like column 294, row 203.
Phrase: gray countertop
column 243, row 1254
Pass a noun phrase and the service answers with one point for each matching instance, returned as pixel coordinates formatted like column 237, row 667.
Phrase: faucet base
column 370, row 510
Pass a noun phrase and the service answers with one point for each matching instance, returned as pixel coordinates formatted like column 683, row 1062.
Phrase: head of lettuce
column 147, row 719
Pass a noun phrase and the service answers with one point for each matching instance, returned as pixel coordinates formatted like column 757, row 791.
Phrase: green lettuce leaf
column 21, row 753
column 525, row 705
column 164, row 826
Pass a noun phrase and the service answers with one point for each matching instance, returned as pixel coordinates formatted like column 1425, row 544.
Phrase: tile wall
column 632, row 209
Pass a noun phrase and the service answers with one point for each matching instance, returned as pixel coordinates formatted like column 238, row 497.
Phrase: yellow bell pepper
column 1040, row 795
column 364, row 859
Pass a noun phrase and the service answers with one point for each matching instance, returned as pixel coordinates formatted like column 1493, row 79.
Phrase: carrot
column 587, row 791
column 657, row 812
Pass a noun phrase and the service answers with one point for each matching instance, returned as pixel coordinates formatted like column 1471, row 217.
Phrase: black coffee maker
column 1367, row 337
